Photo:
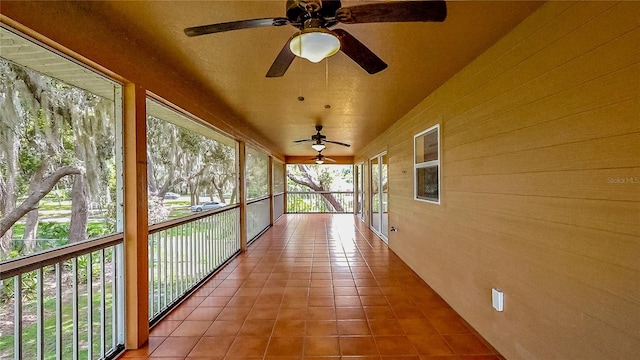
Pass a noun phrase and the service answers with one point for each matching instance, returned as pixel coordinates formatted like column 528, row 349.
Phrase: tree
column 178, row 157
column 50, row 130
column 318, row 179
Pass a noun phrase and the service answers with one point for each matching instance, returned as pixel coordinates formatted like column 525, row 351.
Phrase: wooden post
column 242, row 193
column 135, row 216
column 271, row 202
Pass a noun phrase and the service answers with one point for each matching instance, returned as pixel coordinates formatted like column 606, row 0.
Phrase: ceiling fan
column 314, row 18
column 320, row 159
column 319, row 140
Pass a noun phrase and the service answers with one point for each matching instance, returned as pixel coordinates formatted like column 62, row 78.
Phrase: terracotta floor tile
column 248, row 291
column 358, row 346
column 293, row 301
column 146, row 350
column 450, row 325
column 350, row 313
column 321, row 291
column 320, row 300
column 192, row 328
column 293, row 314
column 224, row 328
column 248, row 346
column 467, row 344
column 204, row 313
column 321, row 313
column 193, row 301
column 234, row 313
column 387, row 327
column 263, row 312
column 321, row 328
column 345, row 301
column 176, row 346
column 407, row 312
column 346, row 290
column 321, row 346
column 379, row 312
column 395, row 345
column 181, row 313
column 212, row 347
column 375, row 300
column 353, row 327
column 285, row 346
column 165, row 327
column 257, row 327
column 417, row 326
column 215, row 301
column 288, row 327
column 430, row 345
column 223, row 291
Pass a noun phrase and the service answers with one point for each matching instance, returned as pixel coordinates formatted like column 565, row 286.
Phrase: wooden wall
column 540, row 186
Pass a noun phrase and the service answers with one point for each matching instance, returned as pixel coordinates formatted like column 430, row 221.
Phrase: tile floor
column 315, row 287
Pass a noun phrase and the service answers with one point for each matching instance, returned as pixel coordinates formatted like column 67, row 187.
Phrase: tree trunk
column 29, row 238
column 79, row 210
column 331, row 200
column 31, row 224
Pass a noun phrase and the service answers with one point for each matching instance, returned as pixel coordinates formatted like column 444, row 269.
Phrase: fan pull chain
column 300, row 97
column 326, row 85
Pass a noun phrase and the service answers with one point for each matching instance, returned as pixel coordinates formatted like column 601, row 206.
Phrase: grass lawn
column 29, row 332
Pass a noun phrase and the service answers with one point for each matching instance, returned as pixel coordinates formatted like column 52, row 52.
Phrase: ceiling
column 232, row 65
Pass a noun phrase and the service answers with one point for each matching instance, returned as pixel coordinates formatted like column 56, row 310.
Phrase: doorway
column 380, row 195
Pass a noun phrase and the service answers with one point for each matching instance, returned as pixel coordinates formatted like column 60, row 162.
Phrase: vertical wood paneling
column 540, row 186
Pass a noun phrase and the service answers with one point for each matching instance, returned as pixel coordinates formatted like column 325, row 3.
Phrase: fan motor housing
column 300, row 10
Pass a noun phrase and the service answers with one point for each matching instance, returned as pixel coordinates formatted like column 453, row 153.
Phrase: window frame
column 427, row 164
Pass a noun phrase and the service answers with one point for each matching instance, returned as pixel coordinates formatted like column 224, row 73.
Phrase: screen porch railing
column 320, row 201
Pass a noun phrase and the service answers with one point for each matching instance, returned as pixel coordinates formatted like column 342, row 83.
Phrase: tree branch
column 31, row 202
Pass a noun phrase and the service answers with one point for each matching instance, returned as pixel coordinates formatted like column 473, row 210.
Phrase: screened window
column 192, row 168
column 278, row 177
column 257, row 174
column 60, row 159
column 427, row 165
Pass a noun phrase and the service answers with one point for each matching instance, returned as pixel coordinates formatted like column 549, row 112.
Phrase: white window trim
column 431, row 163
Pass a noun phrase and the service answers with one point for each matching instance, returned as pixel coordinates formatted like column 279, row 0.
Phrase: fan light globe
column 314, row 44
column 318, row 147
column 319, row 162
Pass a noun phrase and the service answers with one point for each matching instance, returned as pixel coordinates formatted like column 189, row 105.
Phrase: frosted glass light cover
column 318, row 147
column 314, row 46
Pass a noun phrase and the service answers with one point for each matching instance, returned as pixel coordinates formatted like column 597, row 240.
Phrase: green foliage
column 53, row 230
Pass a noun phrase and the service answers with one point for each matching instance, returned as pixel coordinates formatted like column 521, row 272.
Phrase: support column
column 135, row 217
column 242, row 193
column 270, row 177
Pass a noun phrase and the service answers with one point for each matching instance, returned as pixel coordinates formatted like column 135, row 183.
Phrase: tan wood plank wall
column 540, row 186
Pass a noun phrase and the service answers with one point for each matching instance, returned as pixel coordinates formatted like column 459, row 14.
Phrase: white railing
column 278, row 205
column 258, row 217
column 320, row 202
column 184, row 252
column 66, row 303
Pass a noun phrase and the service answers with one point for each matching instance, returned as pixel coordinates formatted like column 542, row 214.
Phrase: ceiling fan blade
column 302, row 140
column 282, row 62
column 235, row 25
column 399, row 11
column 329, row 159
column 359, row 53
column 338, row 143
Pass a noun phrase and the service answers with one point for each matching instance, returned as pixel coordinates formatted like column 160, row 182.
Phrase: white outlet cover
column 497, row 299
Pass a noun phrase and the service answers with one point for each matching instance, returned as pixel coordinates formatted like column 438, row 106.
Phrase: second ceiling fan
column 315, row 41
column 319, row 140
